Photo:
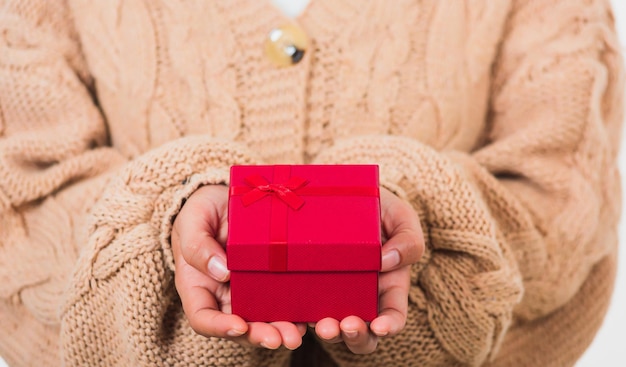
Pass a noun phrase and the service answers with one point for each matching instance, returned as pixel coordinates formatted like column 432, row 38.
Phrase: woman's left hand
column 404, row 247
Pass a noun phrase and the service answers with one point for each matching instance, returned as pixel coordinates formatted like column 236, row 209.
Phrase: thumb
column 200, row 229
column 405, row 244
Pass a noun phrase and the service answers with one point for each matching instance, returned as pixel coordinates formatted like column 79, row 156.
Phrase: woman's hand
column 404, row 247
column 199, row 234
column 198, row 237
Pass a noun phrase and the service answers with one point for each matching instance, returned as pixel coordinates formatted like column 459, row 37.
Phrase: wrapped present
column 304, row 242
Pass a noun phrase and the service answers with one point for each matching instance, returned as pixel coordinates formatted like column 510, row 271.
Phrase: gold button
column 286, row 45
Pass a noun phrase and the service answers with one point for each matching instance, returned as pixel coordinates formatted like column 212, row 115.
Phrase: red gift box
column 304, row 242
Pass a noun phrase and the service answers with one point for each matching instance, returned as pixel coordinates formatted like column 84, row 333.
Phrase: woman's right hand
column 198, row 239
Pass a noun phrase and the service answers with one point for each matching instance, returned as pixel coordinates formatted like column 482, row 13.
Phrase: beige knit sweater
column 498, row 120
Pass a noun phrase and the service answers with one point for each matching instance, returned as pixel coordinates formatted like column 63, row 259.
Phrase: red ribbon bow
column 283, row 191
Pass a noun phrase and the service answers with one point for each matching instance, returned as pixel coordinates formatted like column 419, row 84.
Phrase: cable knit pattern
column 498, row 121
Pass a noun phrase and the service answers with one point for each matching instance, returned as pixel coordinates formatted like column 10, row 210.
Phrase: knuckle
column 193, row 319
column 415, row 247
column 199, row 325
column 193, row 323
column 409, row 252
column 415, row 244
column 192, row 250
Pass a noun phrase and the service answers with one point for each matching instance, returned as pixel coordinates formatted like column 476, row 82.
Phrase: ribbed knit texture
column 499, row 121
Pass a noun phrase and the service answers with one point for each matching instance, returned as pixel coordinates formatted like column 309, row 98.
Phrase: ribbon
column 288, row 190
column 285, row 192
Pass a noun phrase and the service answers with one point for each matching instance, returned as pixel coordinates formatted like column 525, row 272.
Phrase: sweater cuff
column 135, row 213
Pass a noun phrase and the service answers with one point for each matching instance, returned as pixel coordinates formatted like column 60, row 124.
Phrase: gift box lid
column 304, row 218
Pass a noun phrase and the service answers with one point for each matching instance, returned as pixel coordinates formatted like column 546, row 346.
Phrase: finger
column 356, row 335
column 197, row 293
column 393, row 303
column 201, row 309
column 263, row 335
column 328, row 330
column 402, row 227
column 402, row 249
column 289, row 333
column 203, row 253
column 302, row 328
column 214, row 323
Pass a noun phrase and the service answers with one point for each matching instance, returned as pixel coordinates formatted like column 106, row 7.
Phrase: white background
column 609, row 347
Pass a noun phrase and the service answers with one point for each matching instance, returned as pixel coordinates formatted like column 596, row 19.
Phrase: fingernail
column 293, row 347
column 217, row 268
column 351, row 334
column 391, row 259
column 235, row 332
column 266, row 346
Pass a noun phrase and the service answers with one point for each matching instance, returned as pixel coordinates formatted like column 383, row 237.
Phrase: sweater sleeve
column 56, row 163
column 513, row 228
column 53, row 155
